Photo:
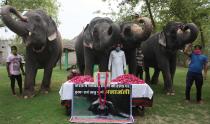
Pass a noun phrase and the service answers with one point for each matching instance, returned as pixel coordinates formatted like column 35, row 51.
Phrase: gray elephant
column 160, row 51
column 132, row 35
column 94, row 43
column 43, row 44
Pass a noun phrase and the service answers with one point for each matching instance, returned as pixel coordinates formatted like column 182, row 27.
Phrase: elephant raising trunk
column 189, row 34
column 160, row 51
column 18, row 27
column 133, row 34
column 43, row 44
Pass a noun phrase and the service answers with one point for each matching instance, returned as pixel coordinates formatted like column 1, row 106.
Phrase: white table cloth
column 138, row 91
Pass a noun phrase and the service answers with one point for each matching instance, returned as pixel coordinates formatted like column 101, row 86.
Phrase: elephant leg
column 29, row 80
column 132, row 62
column 172, row 71
column 89, row 61
column 167, row 80
column 147, row 75
column 45, row 86
column 103, row 64
column 164, row 66
column 155, row 76
column 81, row 64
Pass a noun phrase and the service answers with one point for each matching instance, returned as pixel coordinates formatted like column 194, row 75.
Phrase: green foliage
column 163, row 11
column 50, row 6
column 125, row 9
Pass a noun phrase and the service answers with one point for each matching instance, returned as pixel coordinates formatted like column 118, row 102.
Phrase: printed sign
column 111, row 105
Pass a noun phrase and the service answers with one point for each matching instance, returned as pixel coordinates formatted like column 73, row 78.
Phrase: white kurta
column 117, row 63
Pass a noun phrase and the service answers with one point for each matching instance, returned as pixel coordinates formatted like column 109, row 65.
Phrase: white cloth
column 138, row 91
column 14, row 60
column 66, row 91
column 141, row 90
column 117, row 63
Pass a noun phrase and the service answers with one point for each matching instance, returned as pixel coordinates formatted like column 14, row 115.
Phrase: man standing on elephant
column 197, row 64
column 117, row 62
column 14, row 64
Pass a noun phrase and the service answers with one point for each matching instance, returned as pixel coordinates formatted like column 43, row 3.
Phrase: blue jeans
column 198, row 78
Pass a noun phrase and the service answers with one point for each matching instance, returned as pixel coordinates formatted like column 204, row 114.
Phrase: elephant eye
column 95, row 32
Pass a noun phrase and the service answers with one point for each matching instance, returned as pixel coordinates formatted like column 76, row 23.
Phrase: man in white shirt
column 117, row 62
column 14, row 64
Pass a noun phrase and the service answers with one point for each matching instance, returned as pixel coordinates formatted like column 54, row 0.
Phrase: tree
column 50, row 6
column 124, row 12
column 162, row 11
column 196, row 11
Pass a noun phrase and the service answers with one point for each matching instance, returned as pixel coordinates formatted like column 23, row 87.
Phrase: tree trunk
column 202, row 37
column 150, row 12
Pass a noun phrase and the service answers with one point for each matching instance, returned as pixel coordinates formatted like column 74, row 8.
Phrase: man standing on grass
column 117, row 62
column 14, row 64
column 198, row 62
column 139, row 62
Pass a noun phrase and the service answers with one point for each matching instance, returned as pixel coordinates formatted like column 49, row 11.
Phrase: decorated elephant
column 160, row 51
column 43, row 44
column 132, row 35
column 94, row 43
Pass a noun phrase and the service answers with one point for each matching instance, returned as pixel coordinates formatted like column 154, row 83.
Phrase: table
column 142, row 95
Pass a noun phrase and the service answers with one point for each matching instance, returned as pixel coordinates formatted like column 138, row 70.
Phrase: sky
column 74, row 15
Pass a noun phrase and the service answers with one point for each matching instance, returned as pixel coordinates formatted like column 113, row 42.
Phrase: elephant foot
column 28, row 94
column 154, row 81
column 44, row 91
column 170, row 93
column 27, row 97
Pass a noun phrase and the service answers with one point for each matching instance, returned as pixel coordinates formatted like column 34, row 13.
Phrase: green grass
column 46, row 109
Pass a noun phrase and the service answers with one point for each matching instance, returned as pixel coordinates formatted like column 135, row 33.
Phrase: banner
column 92, row 105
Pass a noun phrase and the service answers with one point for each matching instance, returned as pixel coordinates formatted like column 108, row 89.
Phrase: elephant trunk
column 111, row 37
column 18, row 27
column 142, row 33
column 134, row 33
column 189, row 34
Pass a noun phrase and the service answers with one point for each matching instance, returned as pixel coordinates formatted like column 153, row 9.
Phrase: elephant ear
column 86, row 27
column 162, row 39
column 87, row 37
column 51, row 30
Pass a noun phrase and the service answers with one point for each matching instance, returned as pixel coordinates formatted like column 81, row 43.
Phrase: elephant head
column 133, row 33
column 176, row 34
column 101, row 33
column 35, row 27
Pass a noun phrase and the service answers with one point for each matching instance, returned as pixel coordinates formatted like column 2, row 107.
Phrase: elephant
column 43, row 45
column 93, row 44
column 132, row 35
column 160, row 51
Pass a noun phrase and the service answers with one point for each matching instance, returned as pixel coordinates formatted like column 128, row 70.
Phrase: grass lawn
column 46, row 109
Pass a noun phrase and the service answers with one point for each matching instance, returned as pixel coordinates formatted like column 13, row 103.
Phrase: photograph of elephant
column 42, row 41
column 94, row 44
column 88, row 105
column 160, row 51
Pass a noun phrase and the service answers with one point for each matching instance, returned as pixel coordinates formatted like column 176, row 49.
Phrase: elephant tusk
column 29, row 33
